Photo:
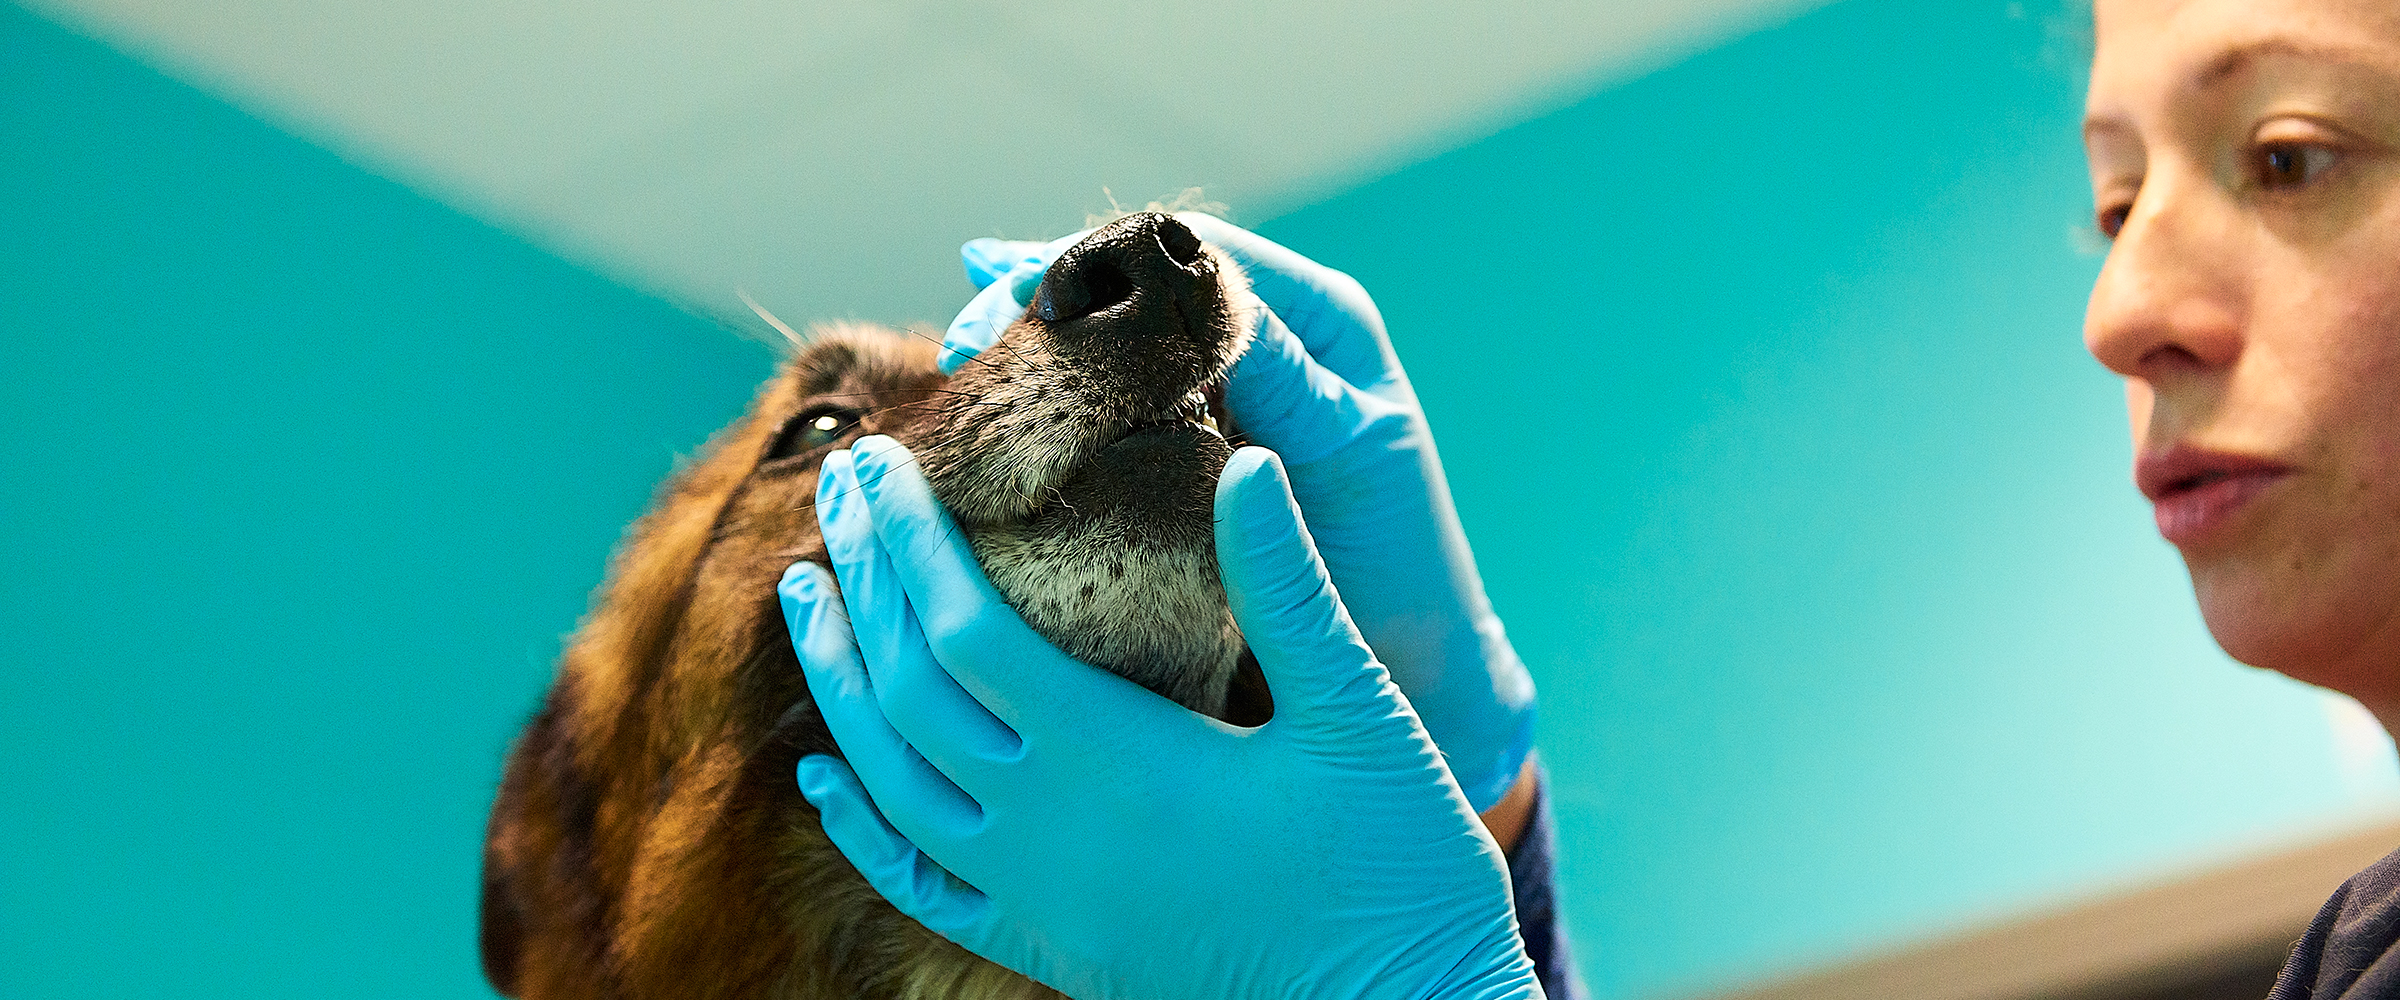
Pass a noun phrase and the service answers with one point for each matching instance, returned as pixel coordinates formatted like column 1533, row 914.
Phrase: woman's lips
column 2194, row 492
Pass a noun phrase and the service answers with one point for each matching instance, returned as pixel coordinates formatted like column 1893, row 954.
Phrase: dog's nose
column 1138, row 266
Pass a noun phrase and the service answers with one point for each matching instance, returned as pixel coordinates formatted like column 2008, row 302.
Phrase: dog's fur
column 649, row 841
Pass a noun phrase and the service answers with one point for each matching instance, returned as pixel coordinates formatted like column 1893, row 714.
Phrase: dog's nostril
column 1181, row 246
column 1143, row 257
column 1087, row 287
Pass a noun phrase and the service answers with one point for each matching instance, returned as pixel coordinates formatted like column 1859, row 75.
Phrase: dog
column 648, row 839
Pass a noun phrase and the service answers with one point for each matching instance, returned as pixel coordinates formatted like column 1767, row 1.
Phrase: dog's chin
column 1158, row 483
column 1120, row 569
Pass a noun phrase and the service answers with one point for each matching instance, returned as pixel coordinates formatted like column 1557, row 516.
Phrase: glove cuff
column 1487, row 781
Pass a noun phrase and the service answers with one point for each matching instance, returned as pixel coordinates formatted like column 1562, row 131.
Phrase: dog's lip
column 1194, row 412
column 1220, row 419
column 1187, row 433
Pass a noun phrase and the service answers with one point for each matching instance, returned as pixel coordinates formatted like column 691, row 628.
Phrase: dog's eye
column 812, row 429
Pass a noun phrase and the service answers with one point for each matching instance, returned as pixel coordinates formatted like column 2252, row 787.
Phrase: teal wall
column 303, row 478
column 1757, row 377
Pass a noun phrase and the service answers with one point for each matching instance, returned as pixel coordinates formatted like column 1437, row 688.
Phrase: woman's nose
column 2172, row 297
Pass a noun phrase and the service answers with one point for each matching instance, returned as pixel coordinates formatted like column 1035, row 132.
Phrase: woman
column 2245, row 158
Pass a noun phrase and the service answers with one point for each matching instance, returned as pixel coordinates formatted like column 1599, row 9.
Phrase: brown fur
column 649, row 840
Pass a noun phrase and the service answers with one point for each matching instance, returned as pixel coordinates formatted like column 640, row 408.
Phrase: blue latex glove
column 1328, row 395
column 1105, row 841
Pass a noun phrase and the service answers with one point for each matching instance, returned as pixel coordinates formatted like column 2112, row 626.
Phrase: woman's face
column 2245, row 158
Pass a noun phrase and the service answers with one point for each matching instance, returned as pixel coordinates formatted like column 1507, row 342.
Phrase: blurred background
column 344, row 338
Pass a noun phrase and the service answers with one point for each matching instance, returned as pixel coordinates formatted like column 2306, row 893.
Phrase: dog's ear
column 536, row 853
column 543, row 926
column 554, row 862
column 502, row 936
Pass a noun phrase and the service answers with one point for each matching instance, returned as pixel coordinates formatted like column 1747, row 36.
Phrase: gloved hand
column 1108, row 842
column 1328, row 395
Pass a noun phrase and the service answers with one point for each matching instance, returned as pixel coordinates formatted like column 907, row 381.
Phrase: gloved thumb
column 1321, row 674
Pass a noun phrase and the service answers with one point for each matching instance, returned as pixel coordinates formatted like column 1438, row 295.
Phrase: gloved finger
column 1010, row 669
column 1330, row 310
column 1284, row 601
column 978, row 326
column 1283, row 399
column 918, row 698
column 913, row 794
column 1004, row 292
column 989, row 258
column 913, row 883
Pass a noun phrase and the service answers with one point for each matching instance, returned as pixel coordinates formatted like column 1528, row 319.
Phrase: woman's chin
column 2306, row 619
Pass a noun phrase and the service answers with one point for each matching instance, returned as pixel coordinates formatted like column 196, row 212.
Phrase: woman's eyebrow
column 2234, row 61
column 2099, row 125
column 2112, row 144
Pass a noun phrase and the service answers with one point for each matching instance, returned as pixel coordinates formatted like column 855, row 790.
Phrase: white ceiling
column 829, row 156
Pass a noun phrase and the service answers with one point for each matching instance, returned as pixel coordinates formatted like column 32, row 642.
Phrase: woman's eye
column 814, row 428
column 2282, row 166
column 2111, row 219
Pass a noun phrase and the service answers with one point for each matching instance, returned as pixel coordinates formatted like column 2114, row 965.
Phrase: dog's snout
column 1143, row 262
column 1134, row 318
